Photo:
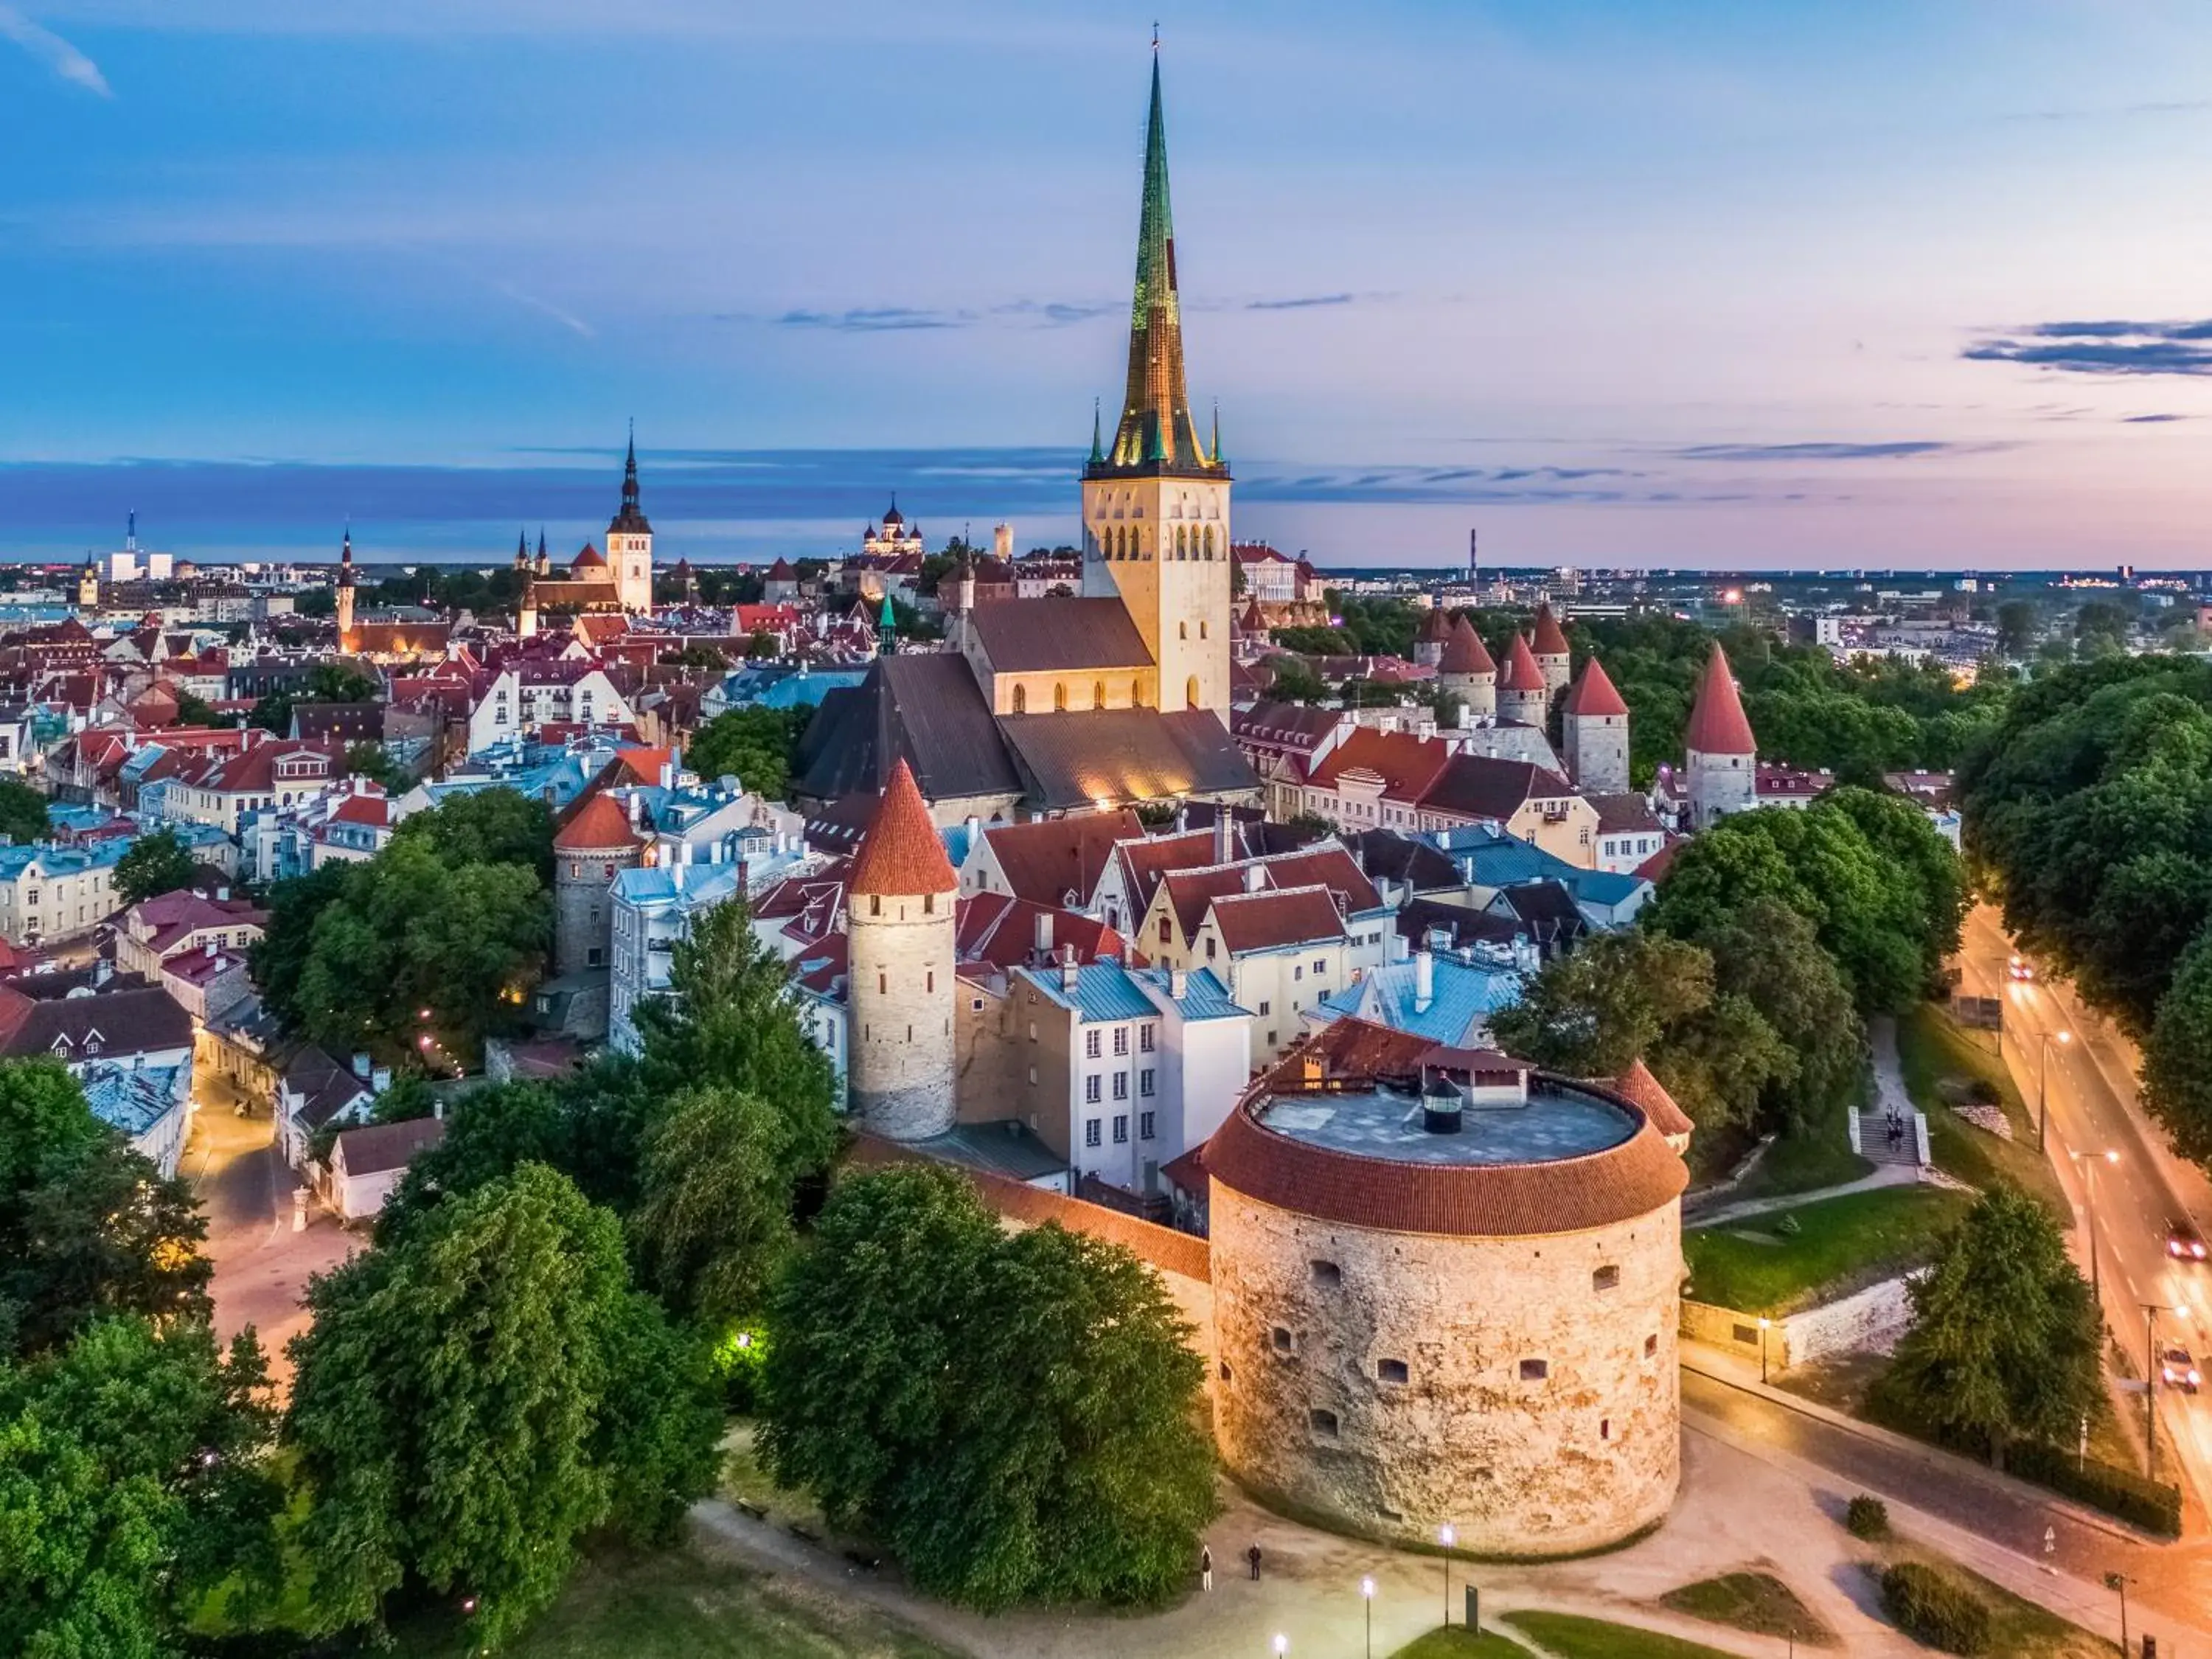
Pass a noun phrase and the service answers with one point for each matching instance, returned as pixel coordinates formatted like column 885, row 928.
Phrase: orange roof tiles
column 1522, row 673
column 599, row 823
column 1717, row 725
column 1638, row 1085
column 1464, row 652
column 902, row 852
column 1594, row 693
column 1551, row 639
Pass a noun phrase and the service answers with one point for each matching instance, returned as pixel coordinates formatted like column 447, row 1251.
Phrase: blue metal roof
column 1464, row 997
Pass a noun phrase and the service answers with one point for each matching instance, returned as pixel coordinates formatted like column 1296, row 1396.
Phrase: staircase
column 1872, row 1142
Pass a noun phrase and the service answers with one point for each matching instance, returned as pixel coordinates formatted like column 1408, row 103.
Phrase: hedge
column 2153, row 1505
column 1935, row 1608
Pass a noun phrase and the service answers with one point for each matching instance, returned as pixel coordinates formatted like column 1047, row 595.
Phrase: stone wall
column 1718, row 785
column 1522, row 1389
column 583, row 907
column 1867, row 1321
column 1596, row 752
column 900, row 989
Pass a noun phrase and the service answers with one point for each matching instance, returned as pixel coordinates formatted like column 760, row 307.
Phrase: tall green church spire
column 1156, row 433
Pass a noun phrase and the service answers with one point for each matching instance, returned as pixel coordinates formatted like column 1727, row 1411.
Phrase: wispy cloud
column 2103, row 347
column 2150, row 420
column 876, row 320
column 1901, row 450
column 56, row 53
column 2116, row 111
column 1303, row 302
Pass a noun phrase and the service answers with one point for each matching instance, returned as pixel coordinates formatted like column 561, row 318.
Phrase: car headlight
column 2193, row 1379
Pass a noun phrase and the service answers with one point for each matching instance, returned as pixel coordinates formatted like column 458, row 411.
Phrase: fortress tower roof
column 1594, row 693
column 1717, row 725
column 901, row 853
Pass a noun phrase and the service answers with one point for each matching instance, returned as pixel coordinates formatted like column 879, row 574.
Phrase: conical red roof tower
column 901, row 853
column 1522, row 673
column 1551, row 640
column 1594, row 693
column 1717, row 725
column 1464, row 653
column 1637, row 1084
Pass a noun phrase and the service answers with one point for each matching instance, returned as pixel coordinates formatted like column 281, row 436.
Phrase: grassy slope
column 1755, row 1601
column 1456, row 1643
column 2019, row 1629
column 1931, row 1045
column 1572, row 1636
column 1843, row 1243
column 680, row 1606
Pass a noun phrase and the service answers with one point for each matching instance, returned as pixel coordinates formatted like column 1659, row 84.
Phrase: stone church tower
column 1155, row 501
column 899, row 981
column 1720, row 757
column 345, row 595
column 629, row 544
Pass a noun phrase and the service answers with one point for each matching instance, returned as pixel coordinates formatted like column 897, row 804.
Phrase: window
column 1651, row 1344
column 1327, row 1274
column 1091, row 1132
column 1605, row 1428
column 883, row 984
column 1059, row 697
column 1145, row 1083
column 1320, row 966
column 1121, row 1040
column 1535, row 1370
column 1266, row 1008
column 1122, row 1129
column 1209, row 949
column 929, row 980
column 1021, row 699
column 1091, row 1043
column 929, row 905
column 1299, row 972
column 875, row 904
column 1270, row 1037
column 1281, row 1338
column 1145, row 1126
column 1145, row 1039
column 1098, row 694
column 1390, row 1370
column 976, row 1004
column 1120, row 1085
column 1606, row 1279
column 1324, row 1423
column 1226, row 1374
column 1165, row 937
column 1091, row 1090
column 1032, row 1077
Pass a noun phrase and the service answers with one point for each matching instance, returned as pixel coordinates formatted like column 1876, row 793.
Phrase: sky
column 1613, row 282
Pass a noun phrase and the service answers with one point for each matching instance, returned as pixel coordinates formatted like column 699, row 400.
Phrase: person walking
column 1205, row 1567
column 1252, row 1555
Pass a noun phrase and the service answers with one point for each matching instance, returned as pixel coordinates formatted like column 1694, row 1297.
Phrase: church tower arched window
column 1060, row 698
column 1021, row 699
column 1098, row 695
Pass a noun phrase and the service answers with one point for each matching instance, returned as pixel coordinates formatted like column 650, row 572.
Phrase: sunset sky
column 1733, row 283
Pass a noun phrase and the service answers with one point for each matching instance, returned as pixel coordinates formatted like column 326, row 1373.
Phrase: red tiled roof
column 1522, row 673
column 1718, row 725
column 1637, row 1084
column 901, row 853
column 599, row 824
column 1593, row 692
column 372, row 809
column 1436, row 627
column 1551, row 639
column 1491, row 786
column 1267, row 921
column 1464, row 652
column 1047, row 859
column 1653, row 868
column 590, row 559
column 1407, row 764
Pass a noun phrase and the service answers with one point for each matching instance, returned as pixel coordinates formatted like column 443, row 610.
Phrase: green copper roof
column 1156, row 432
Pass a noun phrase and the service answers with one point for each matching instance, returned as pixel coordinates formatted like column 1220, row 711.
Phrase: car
column 2176, row 1369
column 2021, row 968
column 2183, row 1243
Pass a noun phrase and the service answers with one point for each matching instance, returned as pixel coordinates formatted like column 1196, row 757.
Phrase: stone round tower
column 591, row 848
column 1593, row 733
column 1548, row 645
column 1465, row 670
column 1721, row 757
column 899, row 979
column 1523, row 699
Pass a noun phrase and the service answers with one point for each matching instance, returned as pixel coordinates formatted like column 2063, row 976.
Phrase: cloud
column 2150, row 420
column 2115, row 112
column 56, row 53
column 1303, row 302
column 1815, row 451
column 876, row 320
column 2103, row 347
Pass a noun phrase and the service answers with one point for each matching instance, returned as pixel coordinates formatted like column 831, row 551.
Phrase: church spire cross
column 1156, row 433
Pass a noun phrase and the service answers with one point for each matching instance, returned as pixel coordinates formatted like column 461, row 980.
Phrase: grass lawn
column 678, row 1605
column 2018, row 1629
column 1822, row 1157
column 1456, row 1643
column 1931, row 1049
column 1755, row 1601
column 1572, row 1636
column 1842, row 1244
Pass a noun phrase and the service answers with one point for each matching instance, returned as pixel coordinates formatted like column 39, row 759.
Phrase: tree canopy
column 158, row 862
column 22, row 813
column 758, row 746
column 1016, row 1415
column 478, row 1394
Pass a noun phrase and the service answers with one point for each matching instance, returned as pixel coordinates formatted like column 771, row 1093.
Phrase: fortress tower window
column 1281, row 1336
column 1059, row 699
column 1390, row 1370
column 875, row 904
column 1328, row 1274
column 1606, row 1279
column 1324, row 1423
column 1535, row 1370
column 1021, row 699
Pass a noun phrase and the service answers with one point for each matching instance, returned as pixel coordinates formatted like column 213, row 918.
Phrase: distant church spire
column 1097, row 449
column 630, row 520
column 1156, row 433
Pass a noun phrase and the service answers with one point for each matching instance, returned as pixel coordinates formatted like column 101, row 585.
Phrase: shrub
column 1867, row 1517
column 1935, row 1608
column 2153, row 1505
column 1984, row 1092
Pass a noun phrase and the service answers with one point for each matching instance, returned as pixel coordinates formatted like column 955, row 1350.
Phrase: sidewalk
column 1888, row 1175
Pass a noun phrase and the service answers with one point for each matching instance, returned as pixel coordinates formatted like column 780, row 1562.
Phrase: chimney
column 741, row 876
column 363, row 1068
column 1044, row 936
column 1068, row 971
column 668, row 774
column 1223, row 847
column 437, row 1108
column 380, row 1079
column 1424, row 980
column 1400, row 949
column 1178, row 983
column 1002, row 541
column 1256, row 878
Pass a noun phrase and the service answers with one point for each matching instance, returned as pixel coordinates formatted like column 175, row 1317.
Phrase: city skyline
column 1617, row 288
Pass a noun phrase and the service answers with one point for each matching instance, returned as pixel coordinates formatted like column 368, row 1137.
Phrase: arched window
column 1190, row 693
column 1136, row 694
column 1098, row 695
column 1021, row 699
column 1209, row 541
column 1182, row 541
column 1183, row 630
column 1059, row 697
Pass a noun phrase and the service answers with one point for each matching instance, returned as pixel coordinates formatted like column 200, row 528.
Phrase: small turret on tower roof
column 901, row 854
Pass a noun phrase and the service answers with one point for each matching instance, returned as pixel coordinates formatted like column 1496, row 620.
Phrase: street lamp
column 2042, row 1086
column 1367, row 1592
column 2089, row 1163
column 2151, row 1312
column 1282, row 1645
column 1447, row 1537
column 1763, row 1324
column 2120, row 1581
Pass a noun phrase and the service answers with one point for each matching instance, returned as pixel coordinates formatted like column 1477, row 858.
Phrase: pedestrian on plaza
column 1253, row 1556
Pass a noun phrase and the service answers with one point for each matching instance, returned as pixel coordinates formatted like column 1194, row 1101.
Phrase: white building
column 49, row 891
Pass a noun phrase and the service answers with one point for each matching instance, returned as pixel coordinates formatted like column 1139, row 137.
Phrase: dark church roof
column 1054, row 636
column 1072, row 760
column 927, row 709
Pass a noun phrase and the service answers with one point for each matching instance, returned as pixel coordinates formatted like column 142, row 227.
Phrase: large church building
column 1062, row 704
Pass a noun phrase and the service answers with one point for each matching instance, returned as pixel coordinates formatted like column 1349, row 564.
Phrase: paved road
column 2138, row 1191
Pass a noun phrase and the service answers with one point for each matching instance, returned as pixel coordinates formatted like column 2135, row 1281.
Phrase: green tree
column 1596, row 1011
column 758, row 747
column 22, row 813
column 1295, row 681
column 1016, row 1416
column 715, row 1221
column 278, row 958
column 2015, row 628
column 460, row 1414
column 88, row 1225
column 486, row 826
column 133, row 1479
column 1770, row 956
column 157, row 863
column 2006, row 1340
column 374, row 762
column 194, row 710
column 2177, row 1078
